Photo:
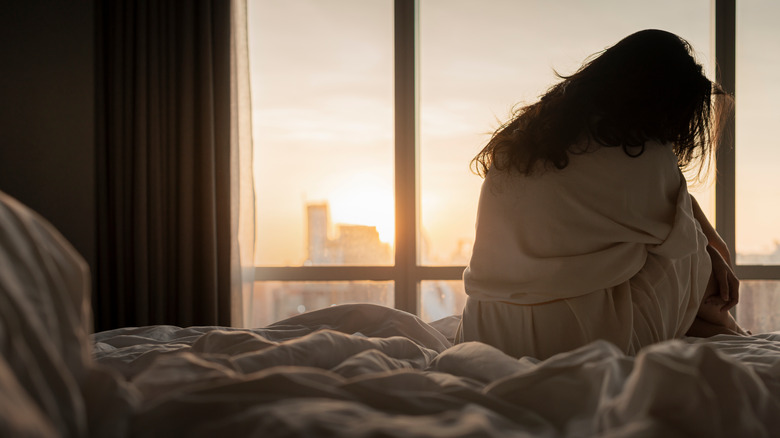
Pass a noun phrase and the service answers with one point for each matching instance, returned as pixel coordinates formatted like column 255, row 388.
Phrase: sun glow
column 364, row 199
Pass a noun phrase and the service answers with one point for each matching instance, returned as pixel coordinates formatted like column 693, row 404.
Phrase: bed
column 354, row 370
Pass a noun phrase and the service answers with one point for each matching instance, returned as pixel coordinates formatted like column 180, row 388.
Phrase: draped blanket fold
column 557, row 243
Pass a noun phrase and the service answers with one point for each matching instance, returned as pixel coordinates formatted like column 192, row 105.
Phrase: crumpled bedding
column 364, row 370
column 357, row 370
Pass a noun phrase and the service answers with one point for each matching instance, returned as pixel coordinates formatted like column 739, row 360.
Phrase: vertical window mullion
column 725, row 73
column 406, row 155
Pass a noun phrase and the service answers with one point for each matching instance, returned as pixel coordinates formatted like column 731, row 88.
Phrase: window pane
column 477, row 59
column 277, row 300
column 758, row 305
column 440, row 299
column 757, row 115
column 322, row 102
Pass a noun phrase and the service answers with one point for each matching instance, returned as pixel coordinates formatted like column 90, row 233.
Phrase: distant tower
column 318, row 216
column 360, row 245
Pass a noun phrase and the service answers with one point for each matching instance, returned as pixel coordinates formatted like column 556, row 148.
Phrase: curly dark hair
column 648, row 86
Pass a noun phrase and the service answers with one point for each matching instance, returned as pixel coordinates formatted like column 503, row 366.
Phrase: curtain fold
column 242, row 175
column 167, row 164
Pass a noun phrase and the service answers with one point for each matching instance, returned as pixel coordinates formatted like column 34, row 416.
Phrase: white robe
column 606, row 248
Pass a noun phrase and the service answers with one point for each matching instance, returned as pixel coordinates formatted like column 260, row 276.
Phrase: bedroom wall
column 47, row 113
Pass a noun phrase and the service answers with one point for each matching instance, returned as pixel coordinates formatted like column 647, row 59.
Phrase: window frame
column 407, row 273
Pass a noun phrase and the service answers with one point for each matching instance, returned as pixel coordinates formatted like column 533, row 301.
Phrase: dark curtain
column 163, row 163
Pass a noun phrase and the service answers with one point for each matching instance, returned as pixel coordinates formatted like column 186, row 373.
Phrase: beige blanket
column 609, row 244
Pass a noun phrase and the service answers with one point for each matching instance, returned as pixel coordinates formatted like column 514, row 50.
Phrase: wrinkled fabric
column 353, row 371
column 606, row 248
column 320, row 374
column 50, row 384
column 44, row 316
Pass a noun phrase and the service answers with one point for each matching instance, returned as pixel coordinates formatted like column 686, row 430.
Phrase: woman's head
column 648, row 86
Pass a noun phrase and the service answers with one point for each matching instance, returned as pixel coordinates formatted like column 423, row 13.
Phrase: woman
column 585, row 227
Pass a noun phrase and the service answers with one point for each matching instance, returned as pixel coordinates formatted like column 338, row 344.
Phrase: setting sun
column 364, row 199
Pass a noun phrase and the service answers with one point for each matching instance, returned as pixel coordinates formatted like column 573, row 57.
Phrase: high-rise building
column 352, row 245
column 360, row 245
column 317, row 226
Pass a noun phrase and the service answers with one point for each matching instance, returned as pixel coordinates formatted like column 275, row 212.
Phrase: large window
column 757, row 164
column 367, row 114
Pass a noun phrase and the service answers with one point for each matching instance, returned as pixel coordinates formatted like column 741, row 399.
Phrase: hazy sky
column 322, row 74
column 758, row 115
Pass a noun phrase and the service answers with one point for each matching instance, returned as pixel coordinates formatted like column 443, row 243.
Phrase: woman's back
column 585, row 227
column 565, row 254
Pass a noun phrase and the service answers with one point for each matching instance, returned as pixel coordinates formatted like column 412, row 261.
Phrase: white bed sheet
column 351, row 371
column 364, row 370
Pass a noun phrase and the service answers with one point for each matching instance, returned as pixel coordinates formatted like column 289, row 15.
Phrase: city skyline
column 331, row 244
column 335, row 243
column 347, row 244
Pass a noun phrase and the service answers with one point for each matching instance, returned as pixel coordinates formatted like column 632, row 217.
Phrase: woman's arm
column 722, row 277
column 702, row 328
column 713, row 238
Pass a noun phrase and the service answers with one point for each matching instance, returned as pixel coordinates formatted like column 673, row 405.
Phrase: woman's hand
column 724, row 284
column 713, row 238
